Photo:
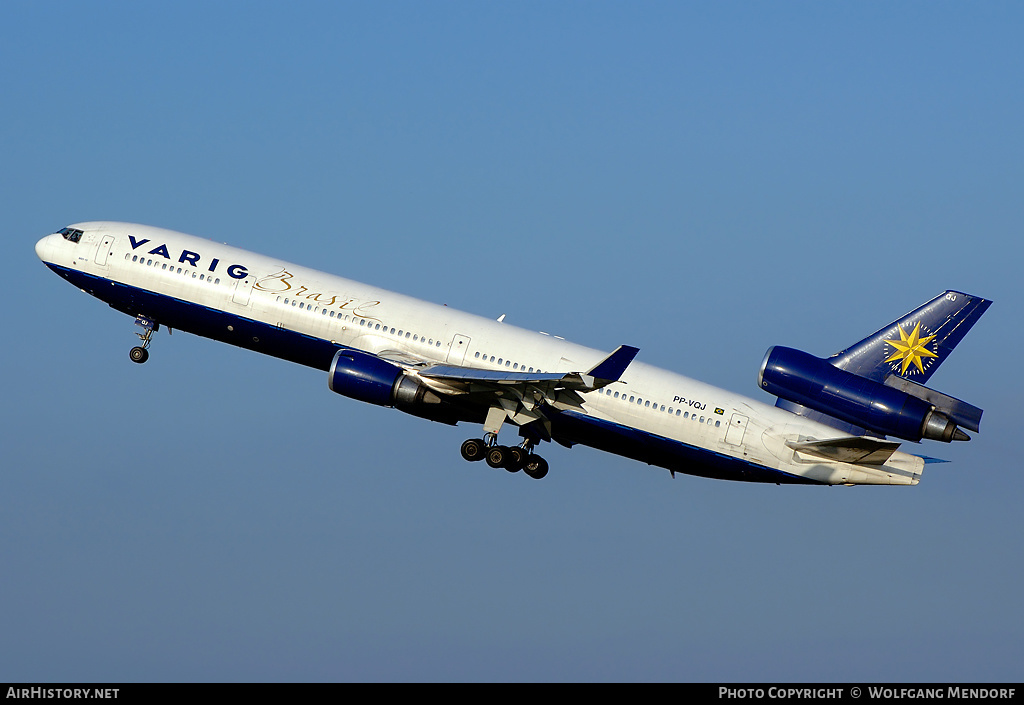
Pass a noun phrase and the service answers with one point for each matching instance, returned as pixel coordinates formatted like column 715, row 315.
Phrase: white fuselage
column 211, row 275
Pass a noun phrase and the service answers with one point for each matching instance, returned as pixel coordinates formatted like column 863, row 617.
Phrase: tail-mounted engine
column 368, row 378
column 897, row 407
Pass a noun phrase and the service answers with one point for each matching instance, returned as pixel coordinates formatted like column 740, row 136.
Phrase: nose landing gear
column 140, row 353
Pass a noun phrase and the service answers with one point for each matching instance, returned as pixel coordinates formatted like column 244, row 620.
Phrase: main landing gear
column 140, row 353
column 512, row 458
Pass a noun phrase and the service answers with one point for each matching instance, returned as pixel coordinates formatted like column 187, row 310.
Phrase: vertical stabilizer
column 915, row 345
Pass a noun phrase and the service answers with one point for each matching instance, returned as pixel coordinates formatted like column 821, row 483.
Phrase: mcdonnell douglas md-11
column 834, row 420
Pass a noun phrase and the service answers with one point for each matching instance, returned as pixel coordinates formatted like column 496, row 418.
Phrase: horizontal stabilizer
column 859, row 450
column 959, row 412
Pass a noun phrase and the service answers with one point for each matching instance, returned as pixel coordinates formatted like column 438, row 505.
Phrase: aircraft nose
column 43, row 247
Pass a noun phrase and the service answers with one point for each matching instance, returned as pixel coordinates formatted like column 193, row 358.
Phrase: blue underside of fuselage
column 567, row 427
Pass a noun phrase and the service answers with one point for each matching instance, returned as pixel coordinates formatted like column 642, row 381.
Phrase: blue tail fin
column 915, row 345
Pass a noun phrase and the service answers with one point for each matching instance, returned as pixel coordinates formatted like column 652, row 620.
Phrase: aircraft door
column 103, row 250
column 243, row 289
column 737, row 426
column 457, row 350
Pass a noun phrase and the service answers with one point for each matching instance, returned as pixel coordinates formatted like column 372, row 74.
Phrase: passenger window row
column 483, row 357
column 171, row 268
column 647, row 404
column 364, row 322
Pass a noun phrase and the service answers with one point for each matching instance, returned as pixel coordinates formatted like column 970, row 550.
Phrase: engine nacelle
column 368, row 378
column 813, row 382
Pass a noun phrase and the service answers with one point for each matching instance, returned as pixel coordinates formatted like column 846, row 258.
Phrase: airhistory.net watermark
column 62, row 693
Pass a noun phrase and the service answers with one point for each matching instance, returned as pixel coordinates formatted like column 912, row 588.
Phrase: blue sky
column 701, row 181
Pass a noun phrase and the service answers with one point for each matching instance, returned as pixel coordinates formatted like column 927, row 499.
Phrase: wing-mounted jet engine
column 868, row 385
column 366, row 377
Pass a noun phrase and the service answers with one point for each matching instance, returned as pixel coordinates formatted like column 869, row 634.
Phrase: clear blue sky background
column 702, row 181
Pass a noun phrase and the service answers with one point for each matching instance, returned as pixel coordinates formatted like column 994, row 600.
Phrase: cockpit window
column 71, row 234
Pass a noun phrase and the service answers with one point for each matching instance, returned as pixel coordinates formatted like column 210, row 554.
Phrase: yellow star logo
column 911, row 348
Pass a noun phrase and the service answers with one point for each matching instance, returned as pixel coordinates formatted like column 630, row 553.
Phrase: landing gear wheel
column 139, row 355
column 497, row 456
column 473, row 450
column 536, row 467
column 516, row 459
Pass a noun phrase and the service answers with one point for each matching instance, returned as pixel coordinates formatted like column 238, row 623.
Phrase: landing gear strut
column 511, row 458
column 140, row 353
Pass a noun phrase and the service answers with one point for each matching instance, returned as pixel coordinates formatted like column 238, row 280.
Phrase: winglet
column 612, row 367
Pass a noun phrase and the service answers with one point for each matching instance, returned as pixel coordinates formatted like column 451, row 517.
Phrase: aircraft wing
column 522, row 394
column 404, row 359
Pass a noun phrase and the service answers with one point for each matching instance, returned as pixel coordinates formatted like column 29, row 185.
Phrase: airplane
column 833, row 423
